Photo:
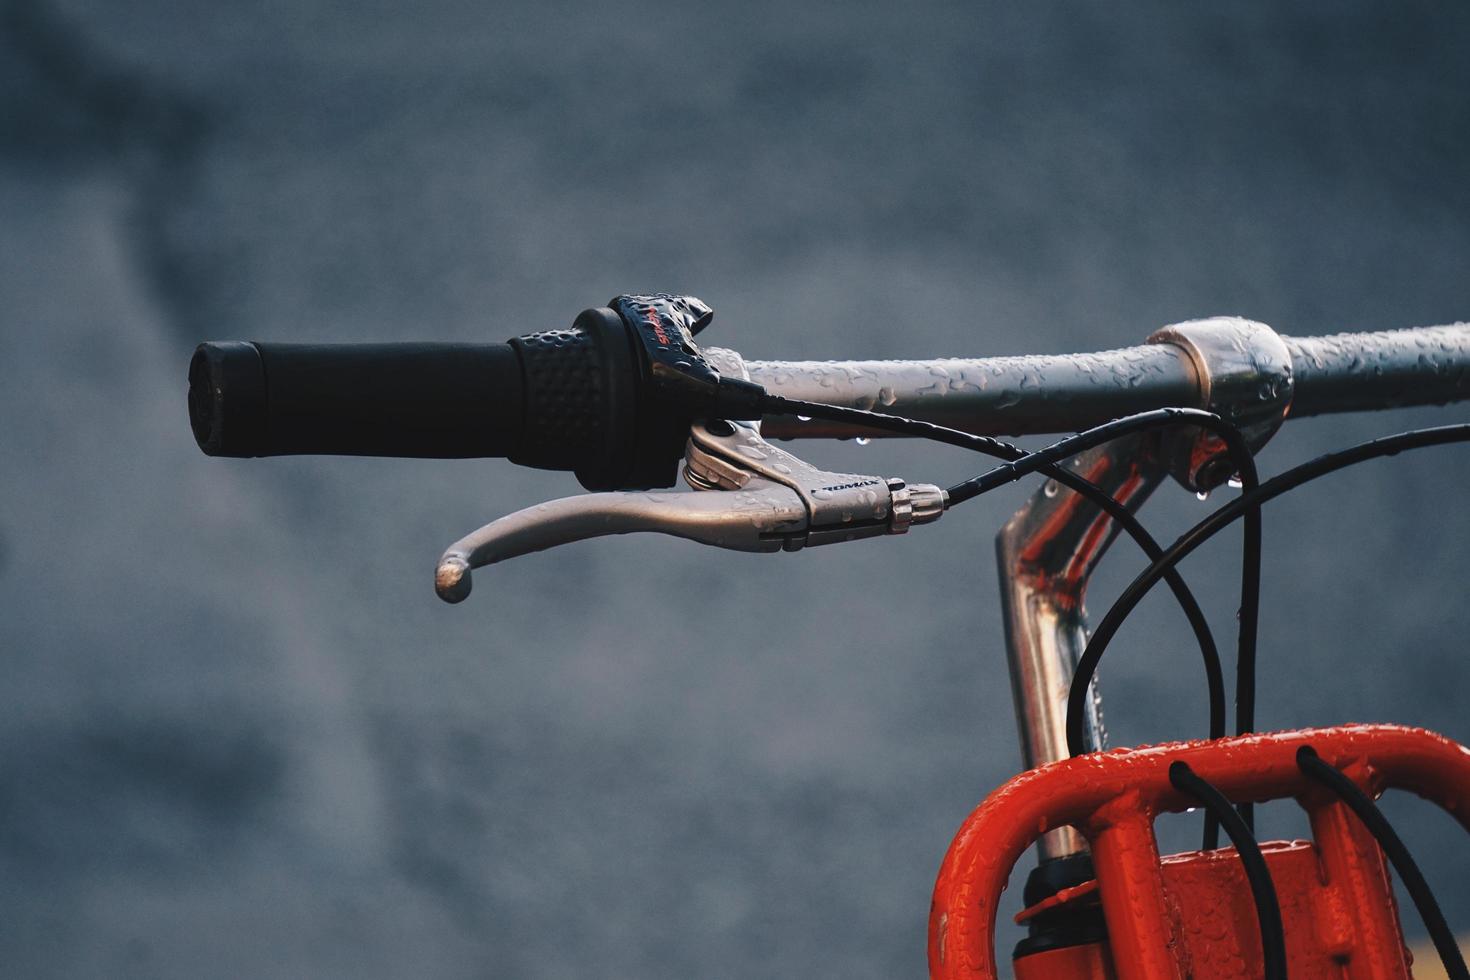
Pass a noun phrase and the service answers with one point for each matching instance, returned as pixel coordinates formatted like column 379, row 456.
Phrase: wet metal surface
column 244, row 731
column 991, row 396
column 747, row 496
column 1035, row 394
column 1046, row 554
column 1423, row 366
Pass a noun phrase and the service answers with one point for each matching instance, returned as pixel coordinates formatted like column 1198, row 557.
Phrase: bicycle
column 626, row 395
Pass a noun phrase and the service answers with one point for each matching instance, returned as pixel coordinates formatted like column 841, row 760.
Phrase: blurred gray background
column 240, row 736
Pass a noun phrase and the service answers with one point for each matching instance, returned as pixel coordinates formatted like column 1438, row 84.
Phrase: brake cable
column 1209, row 652
column 1164, row 566
column 1250, row 572
column 1040, row 459
column 1019, row 463
column 1263, row 891
column 1217, row 521
column 1314, row 766
column 1267, row 909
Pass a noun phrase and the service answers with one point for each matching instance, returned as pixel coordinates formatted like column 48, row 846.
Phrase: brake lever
column 763, row 499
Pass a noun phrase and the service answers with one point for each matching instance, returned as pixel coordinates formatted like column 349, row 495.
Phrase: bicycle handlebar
column 612, row 397
column 1037, row 394
column 1023, row 395
column 1354, row 372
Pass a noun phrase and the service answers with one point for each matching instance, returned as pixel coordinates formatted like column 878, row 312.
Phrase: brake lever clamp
column 764, row 500
column 840, row 506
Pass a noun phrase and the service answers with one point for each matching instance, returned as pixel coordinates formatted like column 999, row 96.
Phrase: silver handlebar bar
column 1065, row 392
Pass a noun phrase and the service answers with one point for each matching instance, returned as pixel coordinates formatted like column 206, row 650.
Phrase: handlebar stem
column 1046, row 554
column 1240, row 370
column 1243, row 373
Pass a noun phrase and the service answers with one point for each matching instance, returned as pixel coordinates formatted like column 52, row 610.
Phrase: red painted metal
column 1191, row 915
column 1210, row 897
column 1210, row 902
column 1082, row 550
column 1083, row 894
column 1329, row 935
column 1086, row 962
column 1125, row 857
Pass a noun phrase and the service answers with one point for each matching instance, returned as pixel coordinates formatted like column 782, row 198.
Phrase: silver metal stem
column 1046, row 553
column 1239, row 369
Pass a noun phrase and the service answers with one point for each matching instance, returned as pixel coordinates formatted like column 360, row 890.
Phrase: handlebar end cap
column 227, row 399
column 452, row 579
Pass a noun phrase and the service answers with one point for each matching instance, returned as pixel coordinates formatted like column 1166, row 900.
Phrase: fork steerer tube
column 1062, row 393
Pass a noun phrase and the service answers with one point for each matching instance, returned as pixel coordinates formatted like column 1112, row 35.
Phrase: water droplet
column 822, row 494
column 1202, row 495
column 1050, row 488
column 780, row 467
column 803, row 418
column 863, row 440
column 1235, row 482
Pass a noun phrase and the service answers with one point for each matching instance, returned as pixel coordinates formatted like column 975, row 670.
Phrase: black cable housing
column 1317, row 768
column 1125, row 518
column 1250, row 584
column 1031, row 462
column 1217, row 521
column 1263, row 891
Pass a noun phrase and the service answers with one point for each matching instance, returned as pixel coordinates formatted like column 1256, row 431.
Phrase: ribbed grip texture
column 565, row 401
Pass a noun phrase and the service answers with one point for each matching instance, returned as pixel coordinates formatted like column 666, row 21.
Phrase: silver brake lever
column 766, row 500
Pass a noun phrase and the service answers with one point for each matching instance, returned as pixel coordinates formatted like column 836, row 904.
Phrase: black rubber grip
column 573, row 399
column 442, row 401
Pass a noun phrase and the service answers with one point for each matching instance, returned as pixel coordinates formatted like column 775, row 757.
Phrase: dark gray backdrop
column 241, row 737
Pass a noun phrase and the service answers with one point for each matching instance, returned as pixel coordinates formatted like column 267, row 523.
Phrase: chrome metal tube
column 1354, row 372
column 1064, row 393
column 1046, row 554
column 986, row 396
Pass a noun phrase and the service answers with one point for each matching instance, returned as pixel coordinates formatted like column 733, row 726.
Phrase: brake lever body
column 760, row 499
